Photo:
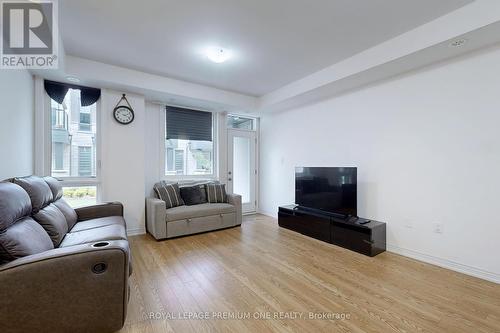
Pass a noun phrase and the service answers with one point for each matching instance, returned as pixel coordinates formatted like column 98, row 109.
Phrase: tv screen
column 332, row 190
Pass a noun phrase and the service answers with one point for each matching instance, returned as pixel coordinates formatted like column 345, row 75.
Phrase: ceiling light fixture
column 218, row 55
column 73, row 79
column 458, row 42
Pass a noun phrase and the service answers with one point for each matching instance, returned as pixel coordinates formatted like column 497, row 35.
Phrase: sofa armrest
column 235, row 200
column 156, row 218
column 98, row 211
column 73, row 289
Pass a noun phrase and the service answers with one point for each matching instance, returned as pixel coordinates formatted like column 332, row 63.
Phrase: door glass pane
column 241, row 167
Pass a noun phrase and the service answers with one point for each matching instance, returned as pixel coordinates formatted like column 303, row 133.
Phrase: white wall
column 427, row 150
column 123, row 159
column 17, row 123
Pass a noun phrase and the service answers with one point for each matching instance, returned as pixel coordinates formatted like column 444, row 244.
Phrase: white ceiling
column 275, row 42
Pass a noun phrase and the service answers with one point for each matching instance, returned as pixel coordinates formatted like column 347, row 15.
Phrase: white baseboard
column 136, row 231
column 273, row 215
column 445, row 263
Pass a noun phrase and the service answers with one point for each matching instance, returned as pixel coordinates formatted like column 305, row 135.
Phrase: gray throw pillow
column 193, row 195
column 169, row 193
column 216, row 193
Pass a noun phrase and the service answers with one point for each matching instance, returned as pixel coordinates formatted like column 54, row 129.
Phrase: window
column 73, row 137
column 189, row 143
column 238, row 122
column 179, row 161
column 58, row 156
column 84, row 161
column 84, row 121
column 74, row 148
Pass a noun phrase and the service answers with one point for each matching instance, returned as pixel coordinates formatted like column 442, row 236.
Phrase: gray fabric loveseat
column 163, row 223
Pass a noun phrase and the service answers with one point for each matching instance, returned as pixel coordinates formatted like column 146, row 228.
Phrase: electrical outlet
column 438, row 228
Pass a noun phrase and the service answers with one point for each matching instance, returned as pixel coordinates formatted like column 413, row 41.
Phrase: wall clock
column 123, row 114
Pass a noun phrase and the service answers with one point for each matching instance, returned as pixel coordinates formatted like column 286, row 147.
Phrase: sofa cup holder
column 100, row 244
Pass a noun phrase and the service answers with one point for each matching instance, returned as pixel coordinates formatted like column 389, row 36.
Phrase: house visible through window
column 73, row 137
column 74, row 148
column 189, row 142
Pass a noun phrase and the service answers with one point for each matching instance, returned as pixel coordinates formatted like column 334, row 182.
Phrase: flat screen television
column 332, row 190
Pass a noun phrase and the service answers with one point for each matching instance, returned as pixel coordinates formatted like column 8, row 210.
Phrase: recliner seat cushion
column 97, row 223
column 39, row 192
column 68, row 212
column 54, row 223
column 106, row 233
column 207, row 209
column 26, row 237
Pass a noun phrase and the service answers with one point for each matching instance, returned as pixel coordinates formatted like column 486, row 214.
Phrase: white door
column 242, row 168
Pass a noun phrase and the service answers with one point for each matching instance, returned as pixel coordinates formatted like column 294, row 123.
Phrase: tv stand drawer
column 312, row 226
column 352, row 240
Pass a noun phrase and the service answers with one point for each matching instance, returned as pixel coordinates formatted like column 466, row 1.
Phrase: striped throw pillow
column 169, row 193
column 216, row 193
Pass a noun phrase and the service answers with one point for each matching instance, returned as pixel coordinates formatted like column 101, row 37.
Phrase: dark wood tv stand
column 368, row 239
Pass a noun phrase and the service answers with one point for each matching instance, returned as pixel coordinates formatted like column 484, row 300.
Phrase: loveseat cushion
column 14, row 204
column 26, row 237
column 207, row 209
column 54, row 223
column 97, row 223
column 68, row 212
column 105, row 233
column 38, row 190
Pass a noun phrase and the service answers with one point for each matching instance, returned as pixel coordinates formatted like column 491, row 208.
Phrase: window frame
column 43, row 161
column 163, row 148
column 254, row 120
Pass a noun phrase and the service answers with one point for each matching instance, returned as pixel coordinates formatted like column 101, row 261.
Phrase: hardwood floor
column 264, row 271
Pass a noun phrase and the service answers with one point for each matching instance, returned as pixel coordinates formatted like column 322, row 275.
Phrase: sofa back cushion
column 169, row 193
column 68, row 212
column 216, row 193
column 38, row 191
column 57, row 193
column 193, row 195
column 14, row 204
column 55, row 188
column 54, row 223
column 20, row 235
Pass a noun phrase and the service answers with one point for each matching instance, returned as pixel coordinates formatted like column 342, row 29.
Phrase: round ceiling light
column 218, row 55
column 73, row 79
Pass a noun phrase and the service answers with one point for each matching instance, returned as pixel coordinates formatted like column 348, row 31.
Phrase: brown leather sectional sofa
column 61, row 270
